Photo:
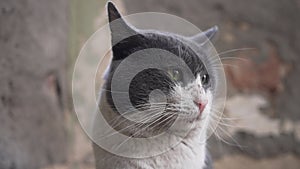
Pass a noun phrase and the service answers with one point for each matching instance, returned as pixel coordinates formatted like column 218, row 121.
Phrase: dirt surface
column 243, row 162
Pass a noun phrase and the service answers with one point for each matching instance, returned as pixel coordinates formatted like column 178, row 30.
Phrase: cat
column 188, row 95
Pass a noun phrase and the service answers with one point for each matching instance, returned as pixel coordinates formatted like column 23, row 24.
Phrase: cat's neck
column 189, row 153
column 191, row 156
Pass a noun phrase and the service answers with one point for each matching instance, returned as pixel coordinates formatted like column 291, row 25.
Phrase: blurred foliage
column 82, row 25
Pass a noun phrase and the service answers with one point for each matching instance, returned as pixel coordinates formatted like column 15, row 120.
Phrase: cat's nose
column 201, row 104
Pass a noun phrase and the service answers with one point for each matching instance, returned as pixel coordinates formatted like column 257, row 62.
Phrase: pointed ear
column 118, row 26
column 203, row 37
column 113, row 12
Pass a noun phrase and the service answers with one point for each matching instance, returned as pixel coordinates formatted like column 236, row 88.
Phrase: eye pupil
column 205, row 79
column 175, row 74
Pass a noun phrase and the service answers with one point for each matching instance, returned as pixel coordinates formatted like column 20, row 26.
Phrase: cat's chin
column 194, row 116
column 185, row 125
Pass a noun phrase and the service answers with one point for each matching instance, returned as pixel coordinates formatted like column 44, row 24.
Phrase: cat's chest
column 182, row 157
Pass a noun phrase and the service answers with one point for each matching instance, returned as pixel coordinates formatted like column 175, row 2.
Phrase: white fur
column 189, row 154
column 182, row 157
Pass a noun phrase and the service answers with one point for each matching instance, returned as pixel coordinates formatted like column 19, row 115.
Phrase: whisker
column 225, row 64
column 172, row 115
column 223, row 123
column 236, row 142
column 235, row 58
column 115, row 132
column 234, row 50
column 137, row 133
column 214, row 59
column 231, row 118
column 215, row 132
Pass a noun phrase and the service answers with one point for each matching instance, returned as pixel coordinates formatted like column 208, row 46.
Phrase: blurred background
column 259, row 43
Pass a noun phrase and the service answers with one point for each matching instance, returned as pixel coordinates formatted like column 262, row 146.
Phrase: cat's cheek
column 208, row 107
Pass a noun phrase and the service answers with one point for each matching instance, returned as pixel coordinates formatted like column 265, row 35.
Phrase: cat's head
column 166, row 76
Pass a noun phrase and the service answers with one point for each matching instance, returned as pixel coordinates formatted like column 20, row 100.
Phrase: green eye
column 205, row 79
column 175, row 74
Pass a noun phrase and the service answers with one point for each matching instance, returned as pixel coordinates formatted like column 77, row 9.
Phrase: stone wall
column 33, row 45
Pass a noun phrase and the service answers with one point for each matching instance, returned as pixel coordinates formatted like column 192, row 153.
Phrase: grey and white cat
column 188, row 95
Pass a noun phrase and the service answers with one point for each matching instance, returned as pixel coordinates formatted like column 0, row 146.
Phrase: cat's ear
column 118, row 26
column 208, row 35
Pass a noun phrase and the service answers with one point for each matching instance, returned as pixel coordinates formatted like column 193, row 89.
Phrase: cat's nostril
column 201, row 105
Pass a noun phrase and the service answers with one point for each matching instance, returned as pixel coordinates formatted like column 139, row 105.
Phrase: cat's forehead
column 126, row 40
column 174, row 44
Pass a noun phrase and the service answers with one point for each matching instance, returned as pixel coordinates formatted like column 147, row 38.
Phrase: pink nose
column 201, row 105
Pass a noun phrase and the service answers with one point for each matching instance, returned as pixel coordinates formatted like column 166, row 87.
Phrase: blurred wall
column 33, row 45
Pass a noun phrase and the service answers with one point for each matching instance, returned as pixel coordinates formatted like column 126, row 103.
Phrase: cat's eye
column 175, row 74
column 205, row 79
